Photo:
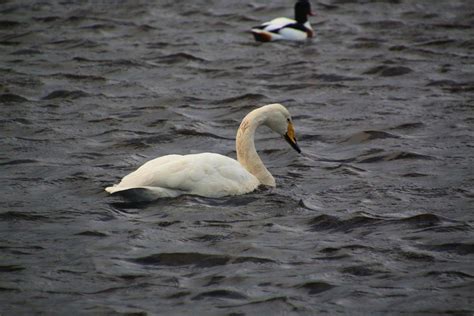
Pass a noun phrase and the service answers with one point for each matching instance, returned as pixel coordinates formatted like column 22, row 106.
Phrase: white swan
column 209, row 174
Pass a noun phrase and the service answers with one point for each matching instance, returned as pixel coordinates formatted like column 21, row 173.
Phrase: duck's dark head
column 302, row 10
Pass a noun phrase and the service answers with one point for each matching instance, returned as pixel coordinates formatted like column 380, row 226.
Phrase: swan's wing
column 202, row 174
column 168, row 172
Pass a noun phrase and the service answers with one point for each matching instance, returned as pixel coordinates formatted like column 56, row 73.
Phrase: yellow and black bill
column 291, row 138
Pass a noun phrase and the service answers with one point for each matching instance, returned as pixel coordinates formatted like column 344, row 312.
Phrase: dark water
column 375, row 218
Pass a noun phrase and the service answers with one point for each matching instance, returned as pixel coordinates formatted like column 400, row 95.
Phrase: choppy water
column 375, row 218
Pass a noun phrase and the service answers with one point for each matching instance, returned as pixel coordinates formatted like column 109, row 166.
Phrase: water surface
column 376, row 217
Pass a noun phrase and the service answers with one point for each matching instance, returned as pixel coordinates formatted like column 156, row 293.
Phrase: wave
column 457, row 248
column 11, row 268
column 47, row 19
column 194, row 132
column 27, row 52
column 363, row 270
column 79, row 77
column 91, row 233
column 388, row 71
column 20, row 216
column 114, row 62
column 12, row 98
column 75, row 43
column 413, row 125
column 453, row 86
column 223, row 294
column 292, row 86
column 66, row 94
column 18, row 162
column 450, row 274
column 8, row 24
column 179, row 58
column 333, row 223
column 365, row 136
column 334, row 78
column 195, row 259
column 414, row 175
column 281, row 304
column 415, row 256
column 384, row 24
column 315, row 287
column 390, row 156
column 346, row 169
column 145, row 142
column 9, row 289
column 99, row 27
column 253, row 98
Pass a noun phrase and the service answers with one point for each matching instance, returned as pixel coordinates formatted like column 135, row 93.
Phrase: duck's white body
column 278, row 29
column 282, row 29
column 209, row 174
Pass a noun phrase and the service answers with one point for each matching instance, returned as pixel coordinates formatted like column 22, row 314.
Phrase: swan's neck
column 245, row 146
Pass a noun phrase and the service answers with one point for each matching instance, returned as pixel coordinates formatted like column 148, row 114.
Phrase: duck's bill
column 293, row 143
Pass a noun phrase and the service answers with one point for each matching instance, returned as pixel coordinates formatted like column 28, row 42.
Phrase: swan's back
column 205, row 174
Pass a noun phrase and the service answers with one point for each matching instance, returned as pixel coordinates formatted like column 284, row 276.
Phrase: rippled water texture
column 375, row 218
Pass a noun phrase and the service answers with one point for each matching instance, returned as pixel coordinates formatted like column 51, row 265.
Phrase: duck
column 210, row 174
column 298, row 29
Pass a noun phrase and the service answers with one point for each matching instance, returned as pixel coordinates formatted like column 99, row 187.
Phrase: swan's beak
column 291, row 139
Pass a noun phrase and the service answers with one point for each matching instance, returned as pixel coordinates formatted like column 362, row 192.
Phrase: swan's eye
column 288, row 120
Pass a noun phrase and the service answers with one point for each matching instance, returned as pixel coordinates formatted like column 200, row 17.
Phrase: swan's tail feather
column 110, row 190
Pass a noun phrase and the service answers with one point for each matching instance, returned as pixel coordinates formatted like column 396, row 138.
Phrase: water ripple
column 195, row 259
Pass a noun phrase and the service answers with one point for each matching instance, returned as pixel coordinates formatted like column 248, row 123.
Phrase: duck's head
column 302, row 10
column 279, row 120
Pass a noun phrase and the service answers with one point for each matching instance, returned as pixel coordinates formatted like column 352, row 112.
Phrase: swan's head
column 279, row 120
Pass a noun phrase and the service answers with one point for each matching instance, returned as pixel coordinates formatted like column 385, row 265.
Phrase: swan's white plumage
column 205, row 174
column 209, row 174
